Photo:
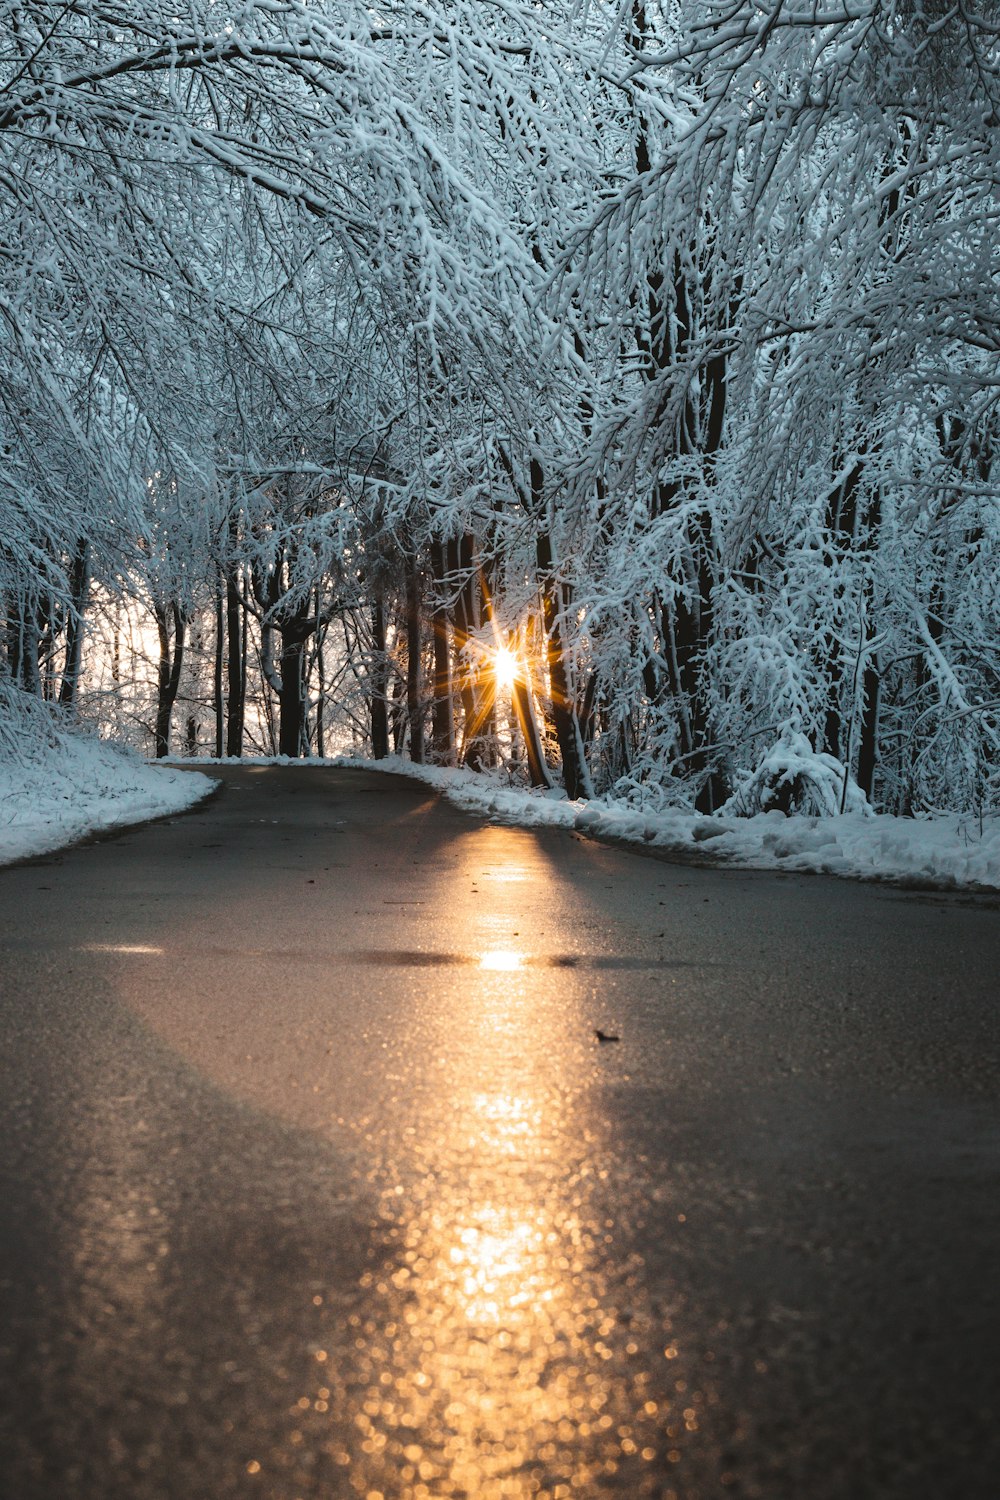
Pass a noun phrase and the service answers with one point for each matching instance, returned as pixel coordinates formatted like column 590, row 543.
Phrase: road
column 316, row 1181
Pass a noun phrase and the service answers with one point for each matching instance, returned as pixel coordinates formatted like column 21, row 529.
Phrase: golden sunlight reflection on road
column 500, row 1352
column 139, row 949
column 501, row 958
column 501, row 1342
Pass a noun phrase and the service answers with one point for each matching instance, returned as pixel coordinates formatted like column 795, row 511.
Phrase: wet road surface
column 315, row 1180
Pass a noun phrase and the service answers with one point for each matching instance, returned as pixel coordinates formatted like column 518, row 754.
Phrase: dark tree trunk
column 397, row 715
column 841, row 522
column 473, row 691
column 486, row 683
column 79, row 578
column 218, row 671
column 576, row 776
column 22, row 645
column 320, row 685
column 291, row 694
column 236, row 639
column 868, row 742
column 538, row 770
column 288, row 614
column 442, row 714
column 171, row 628
column 379, row 678
column 588, row 710
column 461, row 564
column 853, row 521
column 414, row 707
column 686, row 626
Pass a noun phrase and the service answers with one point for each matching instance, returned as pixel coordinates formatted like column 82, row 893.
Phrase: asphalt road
column 315, row 1180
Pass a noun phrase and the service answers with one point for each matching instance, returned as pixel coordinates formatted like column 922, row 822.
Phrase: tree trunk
column 291, row 691
column 218, row 665
column 414, row 708
column 686, row 626
column 576, row 774
column 79, row 579
column 379, row 678
column 853, row 520
column 442, row 714
column 320, row 686
column 397, row 716
column 841, row 523
column 868, row 743
column 22, row 645
column 236, row 637
column 538, row 771
column 476, row 752
column 171, row 628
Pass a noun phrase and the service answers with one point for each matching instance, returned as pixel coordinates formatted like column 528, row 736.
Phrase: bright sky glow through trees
column 659, row 341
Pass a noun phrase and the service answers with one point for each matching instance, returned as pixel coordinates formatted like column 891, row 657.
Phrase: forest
column 599, row 392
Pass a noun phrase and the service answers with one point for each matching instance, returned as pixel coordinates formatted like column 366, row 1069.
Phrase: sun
column 506, row 668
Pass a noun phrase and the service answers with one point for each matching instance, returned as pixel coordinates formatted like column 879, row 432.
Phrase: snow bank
column 792, row 777
column 940, row 850
column 943, row 850
column 66, row 786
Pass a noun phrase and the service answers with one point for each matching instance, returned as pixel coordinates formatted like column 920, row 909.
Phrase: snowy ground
column 73, row 786
column 77, row 786
column 943, row 850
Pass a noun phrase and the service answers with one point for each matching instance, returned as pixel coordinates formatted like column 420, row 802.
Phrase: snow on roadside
column 71, row 786
column 938, row 850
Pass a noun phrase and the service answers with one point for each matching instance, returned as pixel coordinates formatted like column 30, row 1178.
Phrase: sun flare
column 500, row 958
column 506, row 667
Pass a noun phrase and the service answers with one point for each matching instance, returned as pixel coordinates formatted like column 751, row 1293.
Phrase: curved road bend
column 316, row 1182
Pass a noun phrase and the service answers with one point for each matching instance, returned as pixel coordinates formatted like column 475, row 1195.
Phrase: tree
column 663, row 338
